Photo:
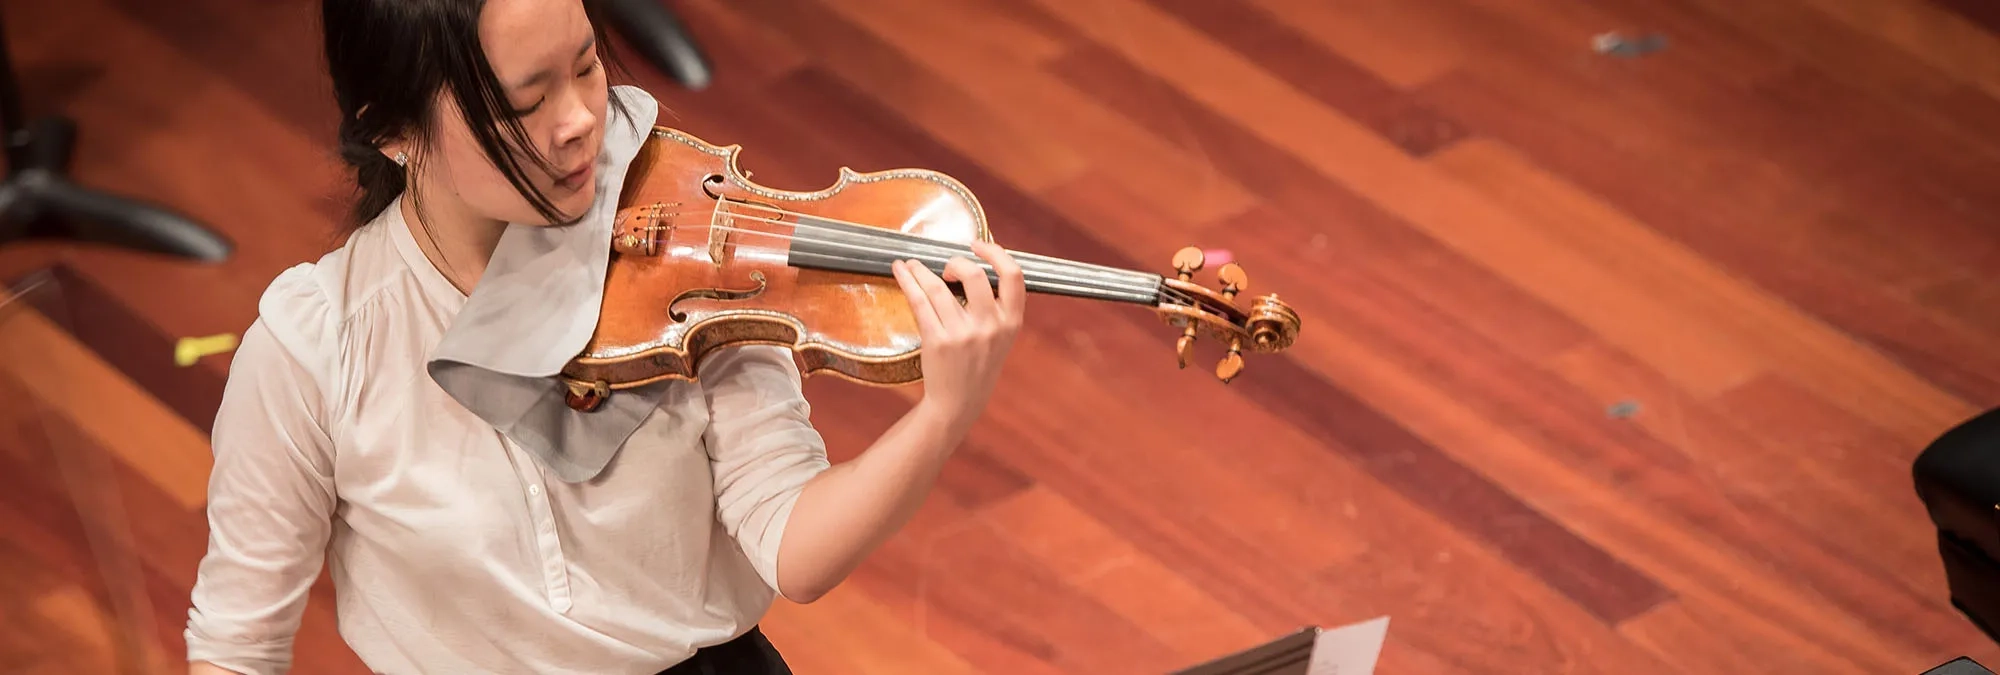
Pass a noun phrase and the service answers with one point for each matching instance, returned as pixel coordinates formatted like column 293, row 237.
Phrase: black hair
column 389, row 59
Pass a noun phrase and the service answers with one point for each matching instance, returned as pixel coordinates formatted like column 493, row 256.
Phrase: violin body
column 681, row 286
column 705, row 259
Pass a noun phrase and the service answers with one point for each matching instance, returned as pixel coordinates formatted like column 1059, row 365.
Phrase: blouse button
column 535, row 490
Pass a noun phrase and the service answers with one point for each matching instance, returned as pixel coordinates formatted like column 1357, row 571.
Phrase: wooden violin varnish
column 704, row 259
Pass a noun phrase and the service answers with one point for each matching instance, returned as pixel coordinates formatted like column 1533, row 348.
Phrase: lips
column 576, row 178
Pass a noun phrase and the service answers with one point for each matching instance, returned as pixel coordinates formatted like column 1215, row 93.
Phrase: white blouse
column 452, row 549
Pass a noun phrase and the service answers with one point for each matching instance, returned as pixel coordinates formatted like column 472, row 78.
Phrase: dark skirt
column 748, row 654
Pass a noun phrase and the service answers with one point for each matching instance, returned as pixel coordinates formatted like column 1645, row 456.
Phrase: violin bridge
column 717, row 238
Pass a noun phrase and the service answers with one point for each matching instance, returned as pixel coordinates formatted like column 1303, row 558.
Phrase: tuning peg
column 1185, row 345
column 1234, row 280
column 1187, row 261
column 1231, row 365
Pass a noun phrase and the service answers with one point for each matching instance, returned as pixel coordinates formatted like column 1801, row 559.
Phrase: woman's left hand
column 965, row 345
column 846, row 511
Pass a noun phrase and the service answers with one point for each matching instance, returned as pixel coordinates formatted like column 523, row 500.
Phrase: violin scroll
column 1269, row 326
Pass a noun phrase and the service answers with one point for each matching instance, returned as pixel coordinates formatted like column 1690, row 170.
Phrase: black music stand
column 38, row 200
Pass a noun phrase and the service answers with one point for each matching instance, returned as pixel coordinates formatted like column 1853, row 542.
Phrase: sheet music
column 1349, row 650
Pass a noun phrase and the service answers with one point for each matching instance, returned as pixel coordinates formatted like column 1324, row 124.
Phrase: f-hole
column 711, row 185
column 715, row 294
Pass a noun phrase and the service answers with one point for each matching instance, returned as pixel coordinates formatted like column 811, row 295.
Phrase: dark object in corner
column 38, row 201
column 1959, row 666
column 659, row 36
column 1958, row 479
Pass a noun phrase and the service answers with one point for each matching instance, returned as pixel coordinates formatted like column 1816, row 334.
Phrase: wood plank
column 1455, row 215
column 1023, row 96
column 1247, row 569
column 1866, row 155
column 123, row 337
column 1942, row 39
column 100, row 523
column 749, row 51
column 266, row 59
column 74, row 384
column 1617, row 133
column 1015, row 596
column 1668, row 629
column 92, row 645
column 1759, row 328
column 961, row 31
column 1607, row 514
column 1336, row 226
column 33, row 644
column 1085, row 553
column 1396, row 40
column 1984, row 14
column 1828, row 515
column 1549, row 425
column 847, row 632
column 1024, row 155
column 1268, row 39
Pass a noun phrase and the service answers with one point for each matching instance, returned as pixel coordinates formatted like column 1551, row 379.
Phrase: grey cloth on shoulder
column 535, row 308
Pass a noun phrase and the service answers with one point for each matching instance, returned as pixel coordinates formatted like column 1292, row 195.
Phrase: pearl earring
column 402, row 159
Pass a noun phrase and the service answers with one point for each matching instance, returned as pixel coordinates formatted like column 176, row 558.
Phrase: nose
column 577, row 121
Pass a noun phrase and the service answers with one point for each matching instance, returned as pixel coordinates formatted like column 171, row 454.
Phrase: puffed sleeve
column 271, row 492
column 762, row 447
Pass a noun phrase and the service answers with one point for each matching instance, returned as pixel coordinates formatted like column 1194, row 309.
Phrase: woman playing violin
column 452, row 548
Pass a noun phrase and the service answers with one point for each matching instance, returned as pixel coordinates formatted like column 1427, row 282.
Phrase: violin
column 704, row 259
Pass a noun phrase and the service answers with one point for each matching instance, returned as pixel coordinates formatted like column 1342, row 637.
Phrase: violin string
column 1124, row 279
column 897, row 234
column 1128, row 286
column 845, row 226
column 894, row 246
column 1120, row 281
column 884, row 255
column 944, row 251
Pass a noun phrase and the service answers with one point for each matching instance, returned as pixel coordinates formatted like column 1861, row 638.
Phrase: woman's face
column 544, row 54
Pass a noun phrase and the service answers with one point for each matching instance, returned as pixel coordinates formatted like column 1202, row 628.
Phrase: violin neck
column 837, row 247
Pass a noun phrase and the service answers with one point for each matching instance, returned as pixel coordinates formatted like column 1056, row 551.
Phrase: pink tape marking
column 1217, row 256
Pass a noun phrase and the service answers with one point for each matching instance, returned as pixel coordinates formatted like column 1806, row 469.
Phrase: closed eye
column 542, row 76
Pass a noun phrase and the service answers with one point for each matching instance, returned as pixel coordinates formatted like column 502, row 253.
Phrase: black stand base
column 38, row 201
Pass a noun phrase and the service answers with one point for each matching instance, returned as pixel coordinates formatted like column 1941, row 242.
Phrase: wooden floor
column 1610, row 365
